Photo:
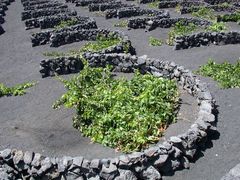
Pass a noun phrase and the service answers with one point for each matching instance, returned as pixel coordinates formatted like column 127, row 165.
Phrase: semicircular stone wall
column 173, row 154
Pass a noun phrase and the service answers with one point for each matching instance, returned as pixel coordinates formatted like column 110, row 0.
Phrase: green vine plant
column 205, row 13
column 66, row 23
column 121, row 24
column 154, row 4
column 17, row 90
column 180, row 29
column 227, row 75
column 234, row 17
column 127, row 115
column 217, row 27
column 154, row 41
column 100, row 44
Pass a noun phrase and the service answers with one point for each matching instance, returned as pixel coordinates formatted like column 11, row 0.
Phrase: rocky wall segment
column 66, row 35
column 173, row 4
column 43, row 6
column 164, row 22
column 47, row 12
column 206, row 38
column 217, row 8
column 88, row 2
column 52, row 21
column 1, row 30
column 106, row 6
column 220, row 1
column 33, row 3
column 1, row 19
column 171, row 155
column 132, row 11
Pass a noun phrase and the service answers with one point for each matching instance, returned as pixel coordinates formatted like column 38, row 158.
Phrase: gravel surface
column 29, row 122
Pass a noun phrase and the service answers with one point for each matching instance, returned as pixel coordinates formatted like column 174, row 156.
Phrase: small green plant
column 178, row 8
column 122, row 24
column 154, row 4
column 124, row 114
column 234, row 17
column 217, row 27
column 205, row 13
column 66, row 23
column 226, row 74
column 154, row 41
column 225, row 5
column 180, row 29
column 17, row 90
column 100, row 44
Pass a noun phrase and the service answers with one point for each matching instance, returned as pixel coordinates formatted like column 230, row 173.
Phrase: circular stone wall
column 173, row 154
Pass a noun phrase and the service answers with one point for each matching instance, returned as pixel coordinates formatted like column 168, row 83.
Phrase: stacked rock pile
column 3, row 8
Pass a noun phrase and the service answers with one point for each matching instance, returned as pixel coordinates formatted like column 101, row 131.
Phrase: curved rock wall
column 171, row 155
column 206, row 38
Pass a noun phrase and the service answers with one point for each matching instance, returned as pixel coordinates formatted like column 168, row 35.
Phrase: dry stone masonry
column 206, row 38
column 171, row 155
column 3, row 8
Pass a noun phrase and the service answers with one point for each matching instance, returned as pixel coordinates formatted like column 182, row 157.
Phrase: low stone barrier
column 47, row 12
column 132, row 11
column 173, row 4
column 88, row 2
column 42, row 6
column 220, row 1
column 1, row 19
column 32, row 3
column 52, row 21
column 1, row 30
column 106, row 6
column 217, row 8
column 161, row 158
column 206, row 38
column 164, row 22
column 60, row 65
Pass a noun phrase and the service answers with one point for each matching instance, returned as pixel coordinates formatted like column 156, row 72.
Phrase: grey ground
column 29, row 122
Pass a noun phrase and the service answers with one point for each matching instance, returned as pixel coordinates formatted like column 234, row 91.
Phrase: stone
column 151, row 174
column 95, row 163
column 37, row 160
column 206, row 116
column 6, row 153
column 77, row 161
column 126, row 175
column 28, row 157
column 46, row 164
column 152, row 151
column 142, row 60
column 18, row 157
column 109, row 173
column 175, row 140
column 161, row 160
column 205, row 106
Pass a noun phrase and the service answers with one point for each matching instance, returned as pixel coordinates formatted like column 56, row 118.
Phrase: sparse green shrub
column 122, row 114
column 122, row 24
column 226, row 74
column 180, row 29
column 154, row 41
column 234, row 17
column 66, row 23
column 100, row 44
column 205, row 13
column 17, row 90
column 154, row 4
column 217, row 27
